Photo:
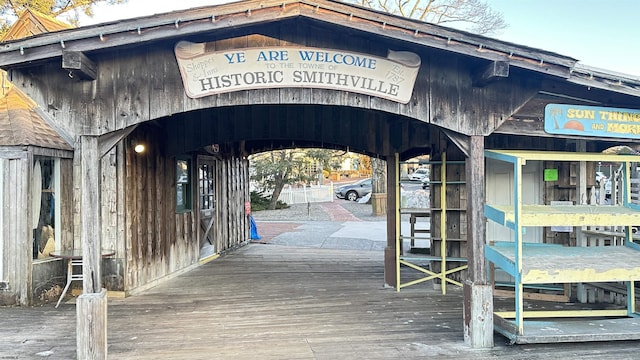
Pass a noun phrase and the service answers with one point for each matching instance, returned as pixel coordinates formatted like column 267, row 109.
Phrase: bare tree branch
column 471, row 15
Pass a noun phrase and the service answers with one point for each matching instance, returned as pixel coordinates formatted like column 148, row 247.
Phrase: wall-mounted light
column 139, row 147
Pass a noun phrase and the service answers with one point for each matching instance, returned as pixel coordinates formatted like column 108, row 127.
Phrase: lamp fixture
column 139, row 148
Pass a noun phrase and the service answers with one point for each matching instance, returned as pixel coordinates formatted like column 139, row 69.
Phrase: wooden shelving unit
column 536, row 264
column 417, row 261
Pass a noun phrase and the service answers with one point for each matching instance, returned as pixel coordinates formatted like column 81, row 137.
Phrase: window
column 46, row 210
column 183, row 185
column 206, row 187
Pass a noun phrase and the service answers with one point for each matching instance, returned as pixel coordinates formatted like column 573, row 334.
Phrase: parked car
column 355, row 190
column 418, row 174
column 425, row 182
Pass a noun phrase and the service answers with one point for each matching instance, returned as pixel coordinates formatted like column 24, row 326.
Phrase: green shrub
column 260, row 201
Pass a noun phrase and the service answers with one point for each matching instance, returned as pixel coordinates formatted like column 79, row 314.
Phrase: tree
column 275, row 169
column 66, row 10
column 476, row 14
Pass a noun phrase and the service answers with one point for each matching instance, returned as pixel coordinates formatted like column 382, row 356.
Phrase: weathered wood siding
column 233, row 191
column 143, row 83
column 24, row 281
column 15, row 169
column 139, row 218
column 157, row 240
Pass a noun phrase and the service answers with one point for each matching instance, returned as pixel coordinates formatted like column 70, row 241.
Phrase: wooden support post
column 90, row 215
column 392, row 213
column 379, row 188
column 478, row 297
column 478, row 315
column 91, row 329
column 379, row 204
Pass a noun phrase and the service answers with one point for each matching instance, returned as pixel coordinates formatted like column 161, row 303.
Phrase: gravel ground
column 301, row 212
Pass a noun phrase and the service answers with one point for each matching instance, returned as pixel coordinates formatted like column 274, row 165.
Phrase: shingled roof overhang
column 23, row 123
column 180, row 24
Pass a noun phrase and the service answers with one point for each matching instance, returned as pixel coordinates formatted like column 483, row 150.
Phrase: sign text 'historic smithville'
column 206, row 73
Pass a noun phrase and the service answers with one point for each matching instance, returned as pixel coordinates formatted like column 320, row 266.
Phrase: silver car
column 418, row 174
column 354, row 190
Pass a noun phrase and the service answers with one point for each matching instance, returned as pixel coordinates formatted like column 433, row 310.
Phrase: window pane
column 183, row 186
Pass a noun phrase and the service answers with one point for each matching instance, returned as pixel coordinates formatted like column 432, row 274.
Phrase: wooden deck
column 273, row 302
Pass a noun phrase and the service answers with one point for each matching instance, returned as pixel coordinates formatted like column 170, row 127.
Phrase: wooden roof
column 22, row 123
column 178, row 24
column 31, row 23
column 251, row 12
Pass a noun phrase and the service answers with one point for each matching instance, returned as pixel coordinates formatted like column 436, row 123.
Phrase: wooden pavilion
column 204, row 88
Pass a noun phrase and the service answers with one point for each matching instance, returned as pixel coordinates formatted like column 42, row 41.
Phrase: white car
column 418, row 174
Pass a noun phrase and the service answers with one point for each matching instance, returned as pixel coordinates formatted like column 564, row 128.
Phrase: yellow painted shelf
column 535, row 263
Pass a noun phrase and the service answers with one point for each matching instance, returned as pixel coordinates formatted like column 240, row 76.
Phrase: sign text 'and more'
column 592, row 121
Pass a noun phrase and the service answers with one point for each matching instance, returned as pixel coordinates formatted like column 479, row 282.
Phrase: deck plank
column 274, row 302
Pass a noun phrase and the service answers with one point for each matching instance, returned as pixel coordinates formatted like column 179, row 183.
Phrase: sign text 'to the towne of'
column 207, row 73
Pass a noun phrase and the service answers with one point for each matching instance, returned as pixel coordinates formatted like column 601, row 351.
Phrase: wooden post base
column 478, row 316
column 390, row 266
column 91, row 326
column 379, row 203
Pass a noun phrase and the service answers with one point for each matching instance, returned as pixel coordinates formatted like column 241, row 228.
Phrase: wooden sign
column 207, row 72
column 592, row 121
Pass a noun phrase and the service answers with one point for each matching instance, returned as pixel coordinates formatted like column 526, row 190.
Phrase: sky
column 599, row 33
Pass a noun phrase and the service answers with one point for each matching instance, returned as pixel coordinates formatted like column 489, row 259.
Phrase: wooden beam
column 92, row 309
column 459, row 139
column 108, row 141
column 475, row 211
column 79, row 65
column 393, row 183
column 478, row 298
column 90, row 214
column 496, row 70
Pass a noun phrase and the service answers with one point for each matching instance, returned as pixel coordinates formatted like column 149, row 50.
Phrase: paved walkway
column 333, row 225
column 340, row 224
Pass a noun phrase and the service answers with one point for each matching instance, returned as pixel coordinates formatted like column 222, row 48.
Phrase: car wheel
column 352, row 196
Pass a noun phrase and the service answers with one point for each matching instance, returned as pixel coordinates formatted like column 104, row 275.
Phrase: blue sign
column 592, row 121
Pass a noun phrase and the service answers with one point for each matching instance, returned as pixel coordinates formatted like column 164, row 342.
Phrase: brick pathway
column 270, row 229
column 337, row 212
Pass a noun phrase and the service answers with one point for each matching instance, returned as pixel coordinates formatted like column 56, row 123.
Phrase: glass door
column 207, row 205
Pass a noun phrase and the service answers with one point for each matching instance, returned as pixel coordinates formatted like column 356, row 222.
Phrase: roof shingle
column 21, row 124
